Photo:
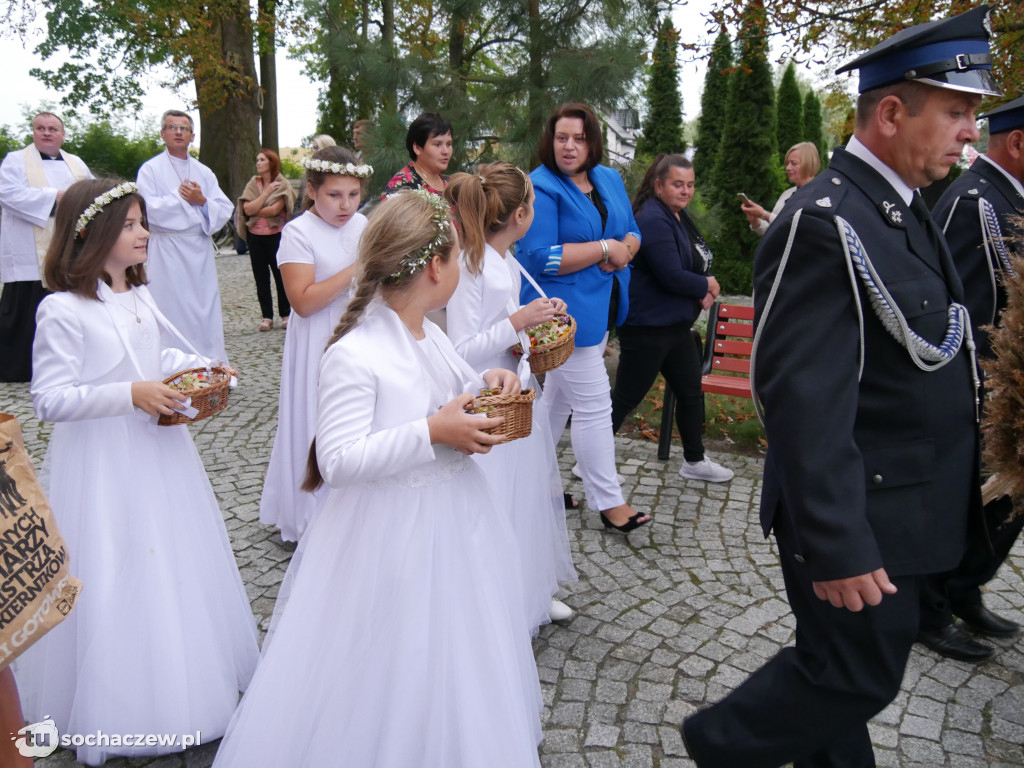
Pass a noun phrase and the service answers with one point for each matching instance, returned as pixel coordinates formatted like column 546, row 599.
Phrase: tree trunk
column 535, row 103
column 230, row 122
column 268, row 73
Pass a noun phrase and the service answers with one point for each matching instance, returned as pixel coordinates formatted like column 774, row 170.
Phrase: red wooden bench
column 726, row 370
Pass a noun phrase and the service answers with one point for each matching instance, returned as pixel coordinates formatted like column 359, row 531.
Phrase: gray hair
column 176, row 113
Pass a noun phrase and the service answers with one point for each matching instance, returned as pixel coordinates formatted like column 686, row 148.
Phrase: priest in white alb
column 32, row 182
column 185, row 207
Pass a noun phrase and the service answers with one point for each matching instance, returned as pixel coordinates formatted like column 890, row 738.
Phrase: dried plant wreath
column 1003, row 425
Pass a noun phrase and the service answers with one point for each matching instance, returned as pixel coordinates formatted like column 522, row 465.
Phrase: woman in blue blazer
column 578, row 248
column 670, row 283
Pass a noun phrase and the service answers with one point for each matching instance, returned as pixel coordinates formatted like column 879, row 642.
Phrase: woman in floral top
column 429, row 141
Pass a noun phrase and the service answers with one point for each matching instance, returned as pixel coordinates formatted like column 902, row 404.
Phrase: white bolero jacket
column 374, row 397
column 78, row 347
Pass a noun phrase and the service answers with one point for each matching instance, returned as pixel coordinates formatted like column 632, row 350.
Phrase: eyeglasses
column 178, row 128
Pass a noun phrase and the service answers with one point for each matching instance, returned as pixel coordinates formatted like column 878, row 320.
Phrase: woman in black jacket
column 669, row 285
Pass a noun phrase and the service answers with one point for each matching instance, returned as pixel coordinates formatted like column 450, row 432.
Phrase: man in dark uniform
column 976, row 214
column 862, row 365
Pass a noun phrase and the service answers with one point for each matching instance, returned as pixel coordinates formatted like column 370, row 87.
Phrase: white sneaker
column 576, row 471
column 560, row 611
column 705, row 470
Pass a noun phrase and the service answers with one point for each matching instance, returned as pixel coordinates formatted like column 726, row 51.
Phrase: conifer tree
column 712, row 111
column 663, row 128
column 789, row 122
column 748, row 159
column 813, row 130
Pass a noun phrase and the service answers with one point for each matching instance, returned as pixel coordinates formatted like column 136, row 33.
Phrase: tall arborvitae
column 712, row 111
column 813, row 130
column 663, row 128
column 789, row 121
column 748, row 159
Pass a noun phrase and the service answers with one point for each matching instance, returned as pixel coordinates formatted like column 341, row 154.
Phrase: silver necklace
column 135, row 308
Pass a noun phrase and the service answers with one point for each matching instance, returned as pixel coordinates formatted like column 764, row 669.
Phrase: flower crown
column 441, row 219
column 101, row 201
column 348, row 169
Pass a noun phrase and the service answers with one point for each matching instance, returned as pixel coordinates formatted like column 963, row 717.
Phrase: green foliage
column 748, row 159
column 712, row 110
column 495, row 71
column 813, row 131
column 291, row 169
column 109, row 151
column 9, row 141
column 789, row 121
column 662, row 131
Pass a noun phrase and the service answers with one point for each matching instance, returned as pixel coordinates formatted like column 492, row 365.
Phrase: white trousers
column 580, row 387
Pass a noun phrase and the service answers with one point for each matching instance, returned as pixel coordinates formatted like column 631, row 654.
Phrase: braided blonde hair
column 401, row 225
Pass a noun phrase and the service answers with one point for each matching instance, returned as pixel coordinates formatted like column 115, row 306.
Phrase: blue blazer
column 563, row 215
column 666, row 282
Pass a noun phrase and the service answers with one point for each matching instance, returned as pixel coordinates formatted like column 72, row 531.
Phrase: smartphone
column 742, row 196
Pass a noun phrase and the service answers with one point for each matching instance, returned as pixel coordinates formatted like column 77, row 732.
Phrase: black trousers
column 18, row 305
column 942, row 595
column 263, row 256
column 644, row 351
column 811, row 703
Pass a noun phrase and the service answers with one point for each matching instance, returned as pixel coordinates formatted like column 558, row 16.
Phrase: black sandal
column 570, row 502
column 630, row 525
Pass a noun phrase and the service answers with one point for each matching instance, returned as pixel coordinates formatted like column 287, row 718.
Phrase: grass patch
column 729, row 419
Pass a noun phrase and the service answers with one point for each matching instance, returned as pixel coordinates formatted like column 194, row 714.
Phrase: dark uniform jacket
column 958, row 214
column 872, row 460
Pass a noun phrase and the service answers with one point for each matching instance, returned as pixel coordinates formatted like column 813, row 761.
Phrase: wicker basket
column 207, row 400
column 547, row 357
column 517, row 410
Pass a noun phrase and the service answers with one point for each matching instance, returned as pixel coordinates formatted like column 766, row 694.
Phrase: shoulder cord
column 925, row 355
column 992, row 234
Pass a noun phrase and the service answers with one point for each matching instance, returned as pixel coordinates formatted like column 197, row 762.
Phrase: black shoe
column 632, row 524
column 981, row 619
column 954, row 643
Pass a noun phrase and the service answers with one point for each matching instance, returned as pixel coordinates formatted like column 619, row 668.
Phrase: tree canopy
column 663, row 128
column 712, row 109
column 789, row 120
column 830, row 32
column 748, row 157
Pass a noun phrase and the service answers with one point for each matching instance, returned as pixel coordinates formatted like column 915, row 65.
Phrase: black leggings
column 263, row 254
column 643, row 352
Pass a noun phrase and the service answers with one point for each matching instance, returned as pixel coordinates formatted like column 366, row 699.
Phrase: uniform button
column 877, row 479
column 798, row 558
column 924, row 304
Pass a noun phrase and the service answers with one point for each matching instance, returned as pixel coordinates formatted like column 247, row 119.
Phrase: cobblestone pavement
column 669, row 619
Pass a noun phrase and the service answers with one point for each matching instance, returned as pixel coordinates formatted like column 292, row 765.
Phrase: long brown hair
column 401, row 225
column 658, row 171
column 483, row 202
column 75, row 261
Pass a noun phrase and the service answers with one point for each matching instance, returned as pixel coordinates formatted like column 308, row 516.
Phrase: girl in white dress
column 494, row 207
column 317, row 257
column 162, row 639
column 398, row 637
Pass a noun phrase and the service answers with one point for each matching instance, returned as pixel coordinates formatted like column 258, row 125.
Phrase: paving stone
column 669, row 619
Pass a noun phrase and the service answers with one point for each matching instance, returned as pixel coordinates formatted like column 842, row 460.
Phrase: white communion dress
column 162, row 639
column 307, row 239
column 523, row 473
column 398, row 637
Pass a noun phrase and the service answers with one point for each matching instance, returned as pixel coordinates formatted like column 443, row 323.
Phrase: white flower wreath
column 348, row 169
column 101, row 201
